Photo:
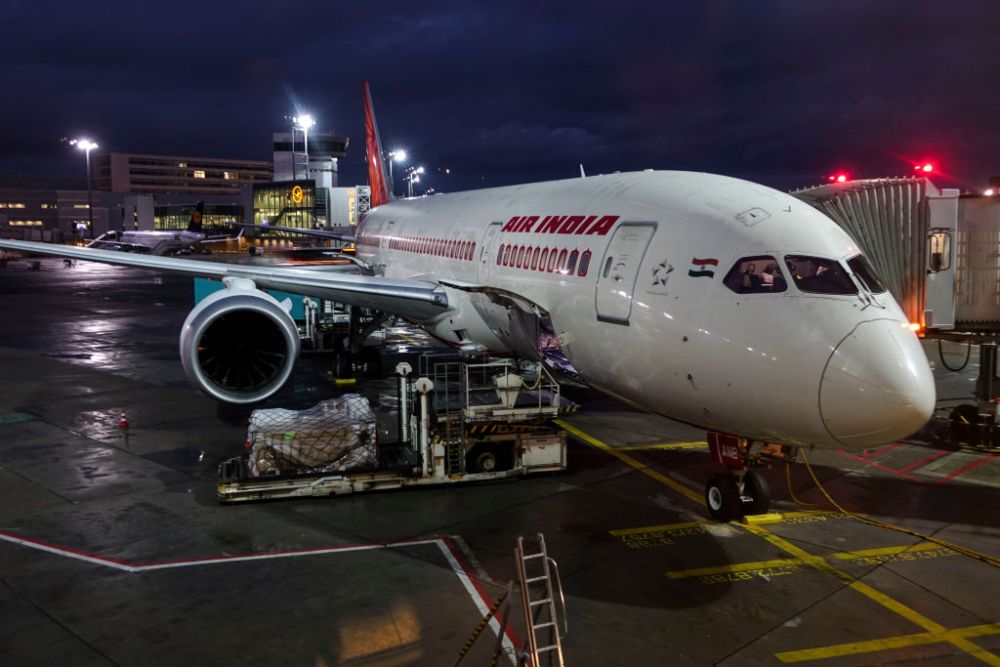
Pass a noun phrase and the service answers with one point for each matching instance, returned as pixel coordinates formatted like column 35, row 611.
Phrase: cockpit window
column 865, row 272
column 819, row 275
column 756, row 275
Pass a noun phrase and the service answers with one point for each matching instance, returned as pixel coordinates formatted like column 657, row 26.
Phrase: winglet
column 373, row 145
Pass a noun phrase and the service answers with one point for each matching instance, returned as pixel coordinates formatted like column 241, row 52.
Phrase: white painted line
column 479, row 597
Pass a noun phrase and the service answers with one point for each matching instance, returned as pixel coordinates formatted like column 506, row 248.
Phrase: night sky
column 782, row 93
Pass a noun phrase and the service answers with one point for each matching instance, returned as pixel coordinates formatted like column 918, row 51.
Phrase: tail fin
column 194, row 225
column 373, row 144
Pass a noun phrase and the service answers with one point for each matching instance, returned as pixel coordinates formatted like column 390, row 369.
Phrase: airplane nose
column 877, row 386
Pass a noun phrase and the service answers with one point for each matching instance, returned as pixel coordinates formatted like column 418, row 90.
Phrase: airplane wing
column 412, row 299
column 321, row 233
column 119, row 246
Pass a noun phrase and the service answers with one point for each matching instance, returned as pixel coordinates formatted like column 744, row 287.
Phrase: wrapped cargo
column 332, row 436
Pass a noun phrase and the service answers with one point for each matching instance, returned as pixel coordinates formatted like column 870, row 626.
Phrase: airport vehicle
column 474, row 422
column 161, row 242
column 708, row 299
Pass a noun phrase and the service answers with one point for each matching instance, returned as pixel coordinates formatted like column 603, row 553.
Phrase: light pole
column 86, row 145
column 398, row 155
column 412, row 176
column 303, row 122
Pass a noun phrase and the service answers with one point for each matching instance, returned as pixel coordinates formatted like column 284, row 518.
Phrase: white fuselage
column 651, row 321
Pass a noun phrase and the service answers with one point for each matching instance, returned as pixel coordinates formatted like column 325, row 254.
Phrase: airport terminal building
column 133, row 191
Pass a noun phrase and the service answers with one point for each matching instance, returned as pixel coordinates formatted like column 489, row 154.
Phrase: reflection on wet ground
column 648, row 579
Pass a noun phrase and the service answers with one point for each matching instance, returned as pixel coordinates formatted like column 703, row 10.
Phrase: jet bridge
column 935, row 249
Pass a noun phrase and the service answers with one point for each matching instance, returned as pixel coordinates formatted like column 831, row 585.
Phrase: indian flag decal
column 703, row 267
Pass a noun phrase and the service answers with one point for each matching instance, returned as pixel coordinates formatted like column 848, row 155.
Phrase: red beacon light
column 838, row 178
column 926, row 167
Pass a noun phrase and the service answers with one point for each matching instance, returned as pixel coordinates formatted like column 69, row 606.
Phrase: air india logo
column 297, row 194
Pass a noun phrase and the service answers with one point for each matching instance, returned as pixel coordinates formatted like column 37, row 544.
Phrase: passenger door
column 487, row 251
column 618, row 271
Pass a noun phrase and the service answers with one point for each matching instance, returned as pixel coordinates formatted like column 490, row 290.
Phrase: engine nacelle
column 239, row 344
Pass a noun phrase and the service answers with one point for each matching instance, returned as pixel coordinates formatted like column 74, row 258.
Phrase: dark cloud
column 780, row 92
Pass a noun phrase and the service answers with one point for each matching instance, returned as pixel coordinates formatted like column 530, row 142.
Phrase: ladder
column 534, row 574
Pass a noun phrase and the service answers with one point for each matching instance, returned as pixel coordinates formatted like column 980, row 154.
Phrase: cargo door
column 619, row 270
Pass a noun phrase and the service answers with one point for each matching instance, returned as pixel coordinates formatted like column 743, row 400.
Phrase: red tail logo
column 373, row 144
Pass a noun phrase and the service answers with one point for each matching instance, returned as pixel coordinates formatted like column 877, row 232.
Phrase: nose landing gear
column 742, row 490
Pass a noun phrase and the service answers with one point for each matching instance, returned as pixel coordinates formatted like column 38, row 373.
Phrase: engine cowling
column 239, row 344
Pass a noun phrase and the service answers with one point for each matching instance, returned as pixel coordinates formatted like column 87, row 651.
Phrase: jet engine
column 239, row 344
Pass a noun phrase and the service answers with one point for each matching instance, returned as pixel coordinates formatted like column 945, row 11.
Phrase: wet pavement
column 114, row 550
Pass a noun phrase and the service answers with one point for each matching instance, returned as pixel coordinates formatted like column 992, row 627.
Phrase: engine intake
column 239, row 345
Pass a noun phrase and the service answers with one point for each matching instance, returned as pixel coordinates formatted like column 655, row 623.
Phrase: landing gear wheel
column 723, row 498
column 756, row 488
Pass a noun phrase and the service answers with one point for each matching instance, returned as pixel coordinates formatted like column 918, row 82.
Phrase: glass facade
column 286, row 204
column 217, row 219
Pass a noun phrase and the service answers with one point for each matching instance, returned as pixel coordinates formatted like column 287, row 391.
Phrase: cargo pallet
column 474, row 442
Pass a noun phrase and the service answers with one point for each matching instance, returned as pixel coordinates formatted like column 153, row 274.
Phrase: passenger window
column 561, row 262
column 500, row 255
column 572, row 263
column 939, row 246
column 607, row 267
column 584, row 263
column 756, row 275
column 534, row 259
column 865, row 272
column 544, row 258
column 819, row 275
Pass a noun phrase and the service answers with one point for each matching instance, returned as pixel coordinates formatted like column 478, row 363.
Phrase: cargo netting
column 334, row 435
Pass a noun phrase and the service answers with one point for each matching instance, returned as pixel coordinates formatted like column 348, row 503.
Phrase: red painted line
column 57, row 547
column 965, row 469
column 877, row 465
column 287, row 552
column 870, row 454
column 924, row 461
column 222, row 557
column 487, row 600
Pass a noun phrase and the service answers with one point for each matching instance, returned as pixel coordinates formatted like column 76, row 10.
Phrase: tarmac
column 115, row 551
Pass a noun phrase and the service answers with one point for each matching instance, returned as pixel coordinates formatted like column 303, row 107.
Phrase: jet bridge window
column 865, row 272
column 819, row 276
column 756, row 275
column 939, row 246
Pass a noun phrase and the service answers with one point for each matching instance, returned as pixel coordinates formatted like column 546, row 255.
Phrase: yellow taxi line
column 693, row 444
column 649, row 472
column 954, row 638
column 902, row 641
column 757, row 565
column 667, row 527
column 878, row 597
column 736, row 567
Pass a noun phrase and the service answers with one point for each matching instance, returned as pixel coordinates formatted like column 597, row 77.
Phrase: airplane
column 707, row 299
column 338, row 234
column 161, row 242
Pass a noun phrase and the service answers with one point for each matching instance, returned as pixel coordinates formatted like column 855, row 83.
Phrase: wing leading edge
column 413, row 299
